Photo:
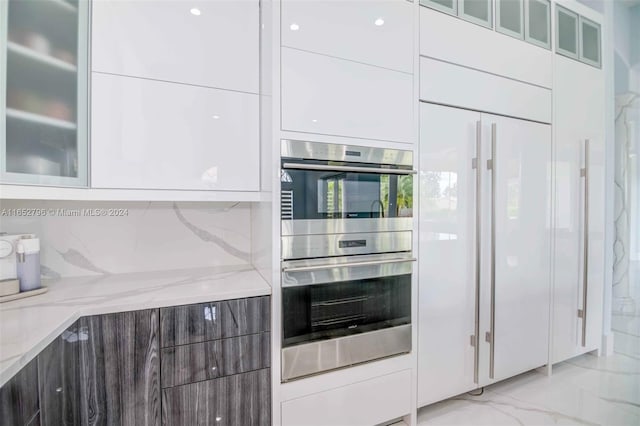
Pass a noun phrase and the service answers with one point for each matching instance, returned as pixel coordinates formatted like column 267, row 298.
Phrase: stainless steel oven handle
column 344, row 265
column 324, row 167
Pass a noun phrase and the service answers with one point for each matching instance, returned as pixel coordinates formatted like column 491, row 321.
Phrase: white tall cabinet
column 485, row 244
column 579, row 208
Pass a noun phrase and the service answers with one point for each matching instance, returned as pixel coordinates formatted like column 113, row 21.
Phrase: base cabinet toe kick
column 202, row 364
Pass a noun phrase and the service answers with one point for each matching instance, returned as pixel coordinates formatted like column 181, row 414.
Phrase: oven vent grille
column 286, row 204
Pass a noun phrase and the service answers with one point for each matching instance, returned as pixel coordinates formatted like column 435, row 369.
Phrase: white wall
column 153, row 236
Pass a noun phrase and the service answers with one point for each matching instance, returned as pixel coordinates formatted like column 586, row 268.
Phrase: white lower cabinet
column 579, row 244
column 148, row 134
column 369, row 402
column 330, row 96
column 485, row 249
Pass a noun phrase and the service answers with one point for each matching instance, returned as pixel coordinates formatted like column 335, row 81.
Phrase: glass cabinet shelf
column 44, row 114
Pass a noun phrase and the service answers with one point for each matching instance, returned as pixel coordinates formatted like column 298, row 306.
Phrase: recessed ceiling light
column 314, row 120
column 294, row 27
column 379, row 22
column 195, row 11
column 215, row 117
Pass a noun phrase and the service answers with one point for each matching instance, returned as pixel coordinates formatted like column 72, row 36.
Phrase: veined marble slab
column 28, row 325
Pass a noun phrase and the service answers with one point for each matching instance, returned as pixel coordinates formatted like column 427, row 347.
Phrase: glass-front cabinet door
column 448, row 6
column 537, row 22
column 509, row 17
column 44, row 78
column 566, row 32
column 477, row 11
column 590, row 42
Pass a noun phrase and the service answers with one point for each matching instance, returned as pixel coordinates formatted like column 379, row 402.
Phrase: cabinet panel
column 44, row 73
column 369, row 402
column 509, row 17
column 447, row 279
column 519, row 208
column 332, row 96
column 180, row 325
column 376, row 33
column 579, row 116
column 159, row 135
column 19, row 396
column 209, row 360
column 59, row 378
column 120, row 369
column 207, row 43
column 538, row 22
column 239, row 400
column 449, row 84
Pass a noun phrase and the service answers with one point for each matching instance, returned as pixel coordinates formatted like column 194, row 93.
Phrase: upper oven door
column 322, row 196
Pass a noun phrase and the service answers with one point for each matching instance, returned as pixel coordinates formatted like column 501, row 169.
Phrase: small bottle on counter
column 28, row 253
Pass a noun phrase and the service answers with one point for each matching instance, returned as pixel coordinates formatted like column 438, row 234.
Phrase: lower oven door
column 343, row 311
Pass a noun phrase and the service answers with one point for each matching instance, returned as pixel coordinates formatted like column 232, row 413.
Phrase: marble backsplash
column 153, row 236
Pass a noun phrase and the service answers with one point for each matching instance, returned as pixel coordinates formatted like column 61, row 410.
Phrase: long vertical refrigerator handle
column 475, row 339
column 491, row 336
column 585, row 235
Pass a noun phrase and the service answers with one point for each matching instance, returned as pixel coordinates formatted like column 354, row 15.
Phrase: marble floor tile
column 587, row 390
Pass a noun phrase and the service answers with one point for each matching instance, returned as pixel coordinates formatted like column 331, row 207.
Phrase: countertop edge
column 14, row 366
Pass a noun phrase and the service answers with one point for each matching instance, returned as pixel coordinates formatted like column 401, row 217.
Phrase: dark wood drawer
column 238, row 400
column 181, row 325
column 209, row 360
column 19, row 397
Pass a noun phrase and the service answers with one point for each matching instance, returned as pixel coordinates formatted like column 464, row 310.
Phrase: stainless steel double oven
column 347, row 217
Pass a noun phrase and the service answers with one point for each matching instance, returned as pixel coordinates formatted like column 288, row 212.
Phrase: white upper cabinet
column 537, row 22
column 331, row 96
column 509, row 17
column 155, row 135
column 373, row 32
column 453, row 40
column 477, row 11
column 567, row 32
column 206, row 43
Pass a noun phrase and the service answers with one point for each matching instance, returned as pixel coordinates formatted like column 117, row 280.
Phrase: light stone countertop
column 28, row 325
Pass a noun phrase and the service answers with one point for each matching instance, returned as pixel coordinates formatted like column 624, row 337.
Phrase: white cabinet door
column 330, row 96
column 155, row 135
column 515, row 304
column 372, row 32
column 447, row 281
column 202, row 42
column 579, row 117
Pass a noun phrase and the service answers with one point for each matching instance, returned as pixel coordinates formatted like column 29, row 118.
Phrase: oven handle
column 381, row 171
column 345, row 265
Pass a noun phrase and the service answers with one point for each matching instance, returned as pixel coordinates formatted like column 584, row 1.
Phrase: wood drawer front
column 119, row 369
column 19, row 397
column 181, row 325
column 209, row 360
column 242, row 400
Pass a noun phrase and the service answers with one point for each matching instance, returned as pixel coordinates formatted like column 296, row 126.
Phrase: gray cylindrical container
column 28, row 252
